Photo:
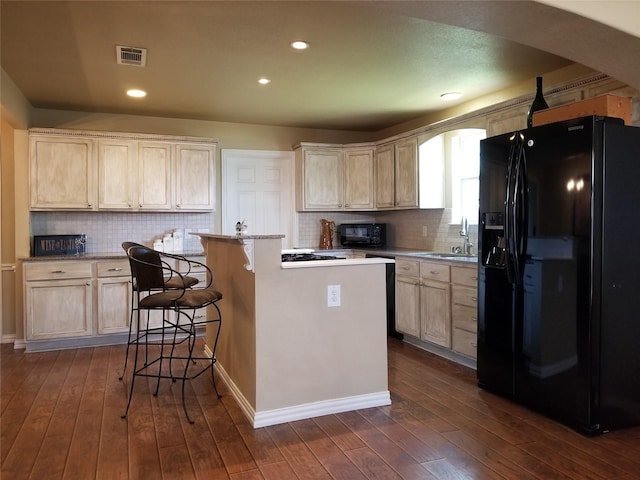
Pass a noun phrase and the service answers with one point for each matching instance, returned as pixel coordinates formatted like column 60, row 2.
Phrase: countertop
column 98, row 256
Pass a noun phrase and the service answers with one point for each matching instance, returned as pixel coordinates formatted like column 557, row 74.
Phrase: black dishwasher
column 391, row 296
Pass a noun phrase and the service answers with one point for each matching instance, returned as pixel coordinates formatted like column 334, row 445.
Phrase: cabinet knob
column 89, row 205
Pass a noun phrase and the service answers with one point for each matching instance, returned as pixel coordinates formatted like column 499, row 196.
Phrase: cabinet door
column 323, row 179
column 154, row 176
column 62, row 173
column 58, row 308
column 195, row 177
column 408, row 305
column 358, row 179
column 406, row 173
column 114, row 304
column 435, row 310
column 385, row 176
column 117, row 174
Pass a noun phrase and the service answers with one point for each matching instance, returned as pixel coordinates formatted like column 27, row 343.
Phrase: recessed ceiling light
column 299, row 45
column 450, row 96
column 134, row 92
column 264, row 81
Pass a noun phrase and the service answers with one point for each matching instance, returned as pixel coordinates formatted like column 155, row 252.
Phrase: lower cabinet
column 464, row 310
column 436, row 303
column 71, row 303
column 114, row 296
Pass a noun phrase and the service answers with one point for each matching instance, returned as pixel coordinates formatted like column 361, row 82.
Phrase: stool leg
column 135, row 368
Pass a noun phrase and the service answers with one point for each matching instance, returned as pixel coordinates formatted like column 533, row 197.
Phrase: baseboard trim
column 318, row 409
column 303, row 411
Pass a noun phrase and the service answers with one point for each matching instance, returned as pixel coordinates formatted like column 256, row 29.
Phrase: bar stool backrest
column 146, row 267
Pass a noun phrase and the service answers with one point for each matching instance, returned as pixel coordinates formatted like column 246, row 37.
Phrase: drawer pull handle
column 474, row 278
column 474, row 345
column 434, row 272
column 58, row 271
column 474, row 299
column 115, row 269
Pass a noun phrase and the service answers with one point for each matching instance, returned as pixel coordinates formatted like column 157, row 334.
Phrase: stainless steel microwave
column 363, row 234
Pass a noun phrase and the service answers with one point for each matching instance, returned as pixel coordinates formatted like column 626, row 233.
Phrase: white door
column 257, row 188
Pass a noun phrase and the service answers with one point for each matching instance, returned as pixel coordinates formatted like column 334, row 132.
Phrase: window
column 465, row 170
column 449, row 168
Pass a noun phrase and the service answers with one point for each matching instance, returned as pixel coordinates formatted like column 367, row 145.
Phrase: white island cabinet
column 283, row 351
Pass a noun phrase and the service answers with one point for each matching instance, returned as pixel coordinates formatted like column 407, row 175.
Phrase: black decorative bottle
column 538, row 102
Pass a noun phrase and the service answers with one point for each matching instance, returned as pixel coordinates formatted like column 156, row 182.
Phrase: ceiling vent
column 131, row 56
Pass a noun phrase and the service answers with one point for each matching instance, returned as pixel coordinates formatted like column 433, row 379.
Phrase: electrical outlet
column 333, row 295
column 424, row 230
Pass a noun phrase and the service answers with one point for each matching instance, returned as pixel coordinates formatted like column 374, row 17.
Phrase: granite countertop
column 97, row 256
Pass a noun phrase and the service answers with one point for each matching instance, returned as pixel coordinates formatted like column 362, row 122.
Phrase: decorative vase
column 538, row 103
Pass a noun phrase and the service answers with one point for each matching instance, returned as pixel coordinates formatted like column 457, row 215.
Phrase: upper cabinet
column 195, row 177
column 358, row 179
column 396, row 173
column 406, row 173
column 132, row 172
column 62, row 173
column 334, row 178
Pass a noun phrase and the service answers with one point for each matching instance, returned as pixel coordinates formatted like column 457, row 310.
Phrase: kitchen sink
column 457, row 256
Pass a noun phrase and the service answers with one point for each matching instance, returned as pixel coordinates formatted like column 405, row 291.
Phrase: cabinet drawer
column 435, row 271
column 464, row 317
column 410, row 268
column 183, row 267
column 464, row 296
column 464, row 276
column 465, row 343
column 113, row 268
column 56, row 270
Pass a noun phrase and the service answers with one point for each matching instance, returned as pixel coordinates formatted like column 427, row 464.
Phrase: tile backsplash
column 107, row 230
column 404, row 228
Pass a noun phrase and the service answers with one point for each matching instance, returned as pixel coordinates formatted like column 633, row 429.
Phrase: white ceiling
column 370, row 65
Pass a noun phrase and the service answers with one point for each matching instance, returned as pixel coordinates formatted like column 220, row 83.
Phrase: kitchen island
column 283, row 352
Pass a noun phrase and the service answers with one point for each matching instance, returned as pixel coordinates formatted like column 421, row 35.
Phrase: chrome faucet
column 464, row 232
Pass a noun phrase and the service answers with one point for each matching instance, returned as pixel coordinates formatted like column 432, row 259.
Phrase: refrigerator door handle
column 519, row 212
column 508, row 211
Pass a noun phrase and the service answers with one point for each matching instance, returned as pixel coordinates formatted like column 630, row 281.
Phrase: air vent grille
column 131, row 56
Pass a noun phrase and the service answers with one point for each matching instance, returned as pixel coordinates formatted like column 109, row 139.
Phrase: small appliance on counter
column 44, row 245
column 363, row 235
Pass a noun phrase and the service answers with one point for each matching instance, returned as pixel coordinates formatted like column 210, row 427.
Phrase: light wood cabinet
column 58, row 299
column 396, row 173
column 406, row 173
column 61, row 173
column 435, row 303
column 408, row 297
column 358, row 179
column 195, row 177
column 117, row 174
column 385, row 196
column 332, row 178
column 464, row 304
column 154, row 176
column 120, row 172
column 114, row 296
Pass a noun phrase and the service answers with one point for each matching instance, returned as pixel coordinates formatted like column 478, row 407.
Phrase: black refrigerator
column 559, row 271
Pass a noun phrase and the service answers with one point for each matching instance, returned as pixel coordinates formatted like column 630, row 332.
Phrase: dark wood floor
column 61, row 419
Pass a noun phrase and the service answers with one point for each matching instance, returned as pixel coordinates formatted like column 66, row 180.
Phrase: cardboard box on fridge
column 605, row 105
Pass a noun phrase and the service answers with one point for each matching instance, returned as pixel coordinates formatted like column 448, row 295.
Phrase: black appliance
column 363, row 235
column 391, row 296
column 305, row 257
column 559, row 274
